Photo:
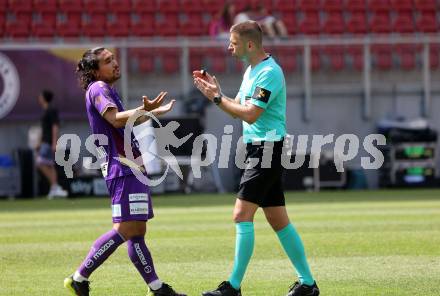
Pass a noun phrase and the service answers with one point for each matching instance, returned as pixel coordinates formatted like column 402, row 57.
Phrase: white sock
column 155, row 285
column 77, row 277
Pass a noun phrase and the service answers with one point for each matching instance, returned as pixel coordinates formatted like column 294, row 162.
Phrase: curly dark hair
column 87, row 66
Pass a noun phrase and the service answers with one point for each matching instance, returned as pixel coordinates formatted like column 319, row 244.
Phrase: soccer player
column 50, row 125
column 261, row 105
column 98, row 70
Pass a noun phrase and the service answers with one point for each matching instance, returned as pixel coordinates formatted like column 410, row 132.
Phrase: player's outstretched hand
column 153, row 104
column 163, row 109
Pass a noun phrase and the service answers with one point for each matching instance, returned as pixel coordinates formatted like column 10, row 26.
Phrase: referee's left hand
column 209, row 90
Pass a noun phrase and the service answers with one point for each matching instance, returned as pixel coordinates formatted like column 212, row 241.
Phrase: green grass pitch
column 358, row 243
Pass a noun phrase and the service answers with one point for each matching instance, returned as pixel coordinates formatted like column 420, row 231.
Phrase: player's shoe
column 298, row 289
column 165, row 290
column 224, row 289
column 77, row 288
column 56, row 192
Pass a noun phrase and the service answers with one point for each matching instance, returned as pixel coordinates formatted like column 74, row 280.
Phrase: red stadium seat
column 404, row 23
column 212, row 6
column 119, row 25
column 406, row 54
column 267, row 4
column 94, row 25
column 355, row 6
column 169, row 6
column 45, row 6
column 69, row 6
column 356, row 54
column 332, row 5
column 334, row 24
column 193, row 25
column 426, row 5
column 3, row 5
column 336, row 57
column 192, row 6
column 145, row 58
column 196, row 56
column 285, row 6
column 217, row 60
column 168, row 25
column 402, row 5
column 19, row 26
column 315, row 58
column 434, row 61
column 142, row 24
column 170, row 60
column 119, row 6
column 2, row 24
column 240, row 5
column 95, row 6
column 380, row 23
column 70, row 25
column 379, row 6
column 289, row 20
column 45, row 27
column 310, row 24
column 427, row 23
column 287, row 57
column 144, row 6
column 18, row 6
column 357, row 23
column 309, row 5
column 382, row 56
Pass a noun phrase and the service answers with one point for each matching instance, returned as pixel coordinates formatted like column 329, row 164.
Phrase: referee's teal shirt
column 264, row 86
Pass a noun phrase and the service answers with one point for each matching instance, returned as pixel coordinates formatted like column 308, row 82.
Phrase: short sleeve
column 267, row 87
column 101, row 98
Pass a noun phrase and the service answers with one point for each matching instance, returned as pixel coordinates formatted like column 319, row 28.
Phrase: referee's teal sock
column 244, row 247
column 294, row 248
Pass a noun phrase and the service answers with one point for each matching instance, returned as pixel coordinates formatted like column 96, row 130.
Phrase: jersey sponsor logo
column 138, row 197
column 139, row 208
column 11, row 85
column 103, row 249
column 261, row 94
column 116, row 210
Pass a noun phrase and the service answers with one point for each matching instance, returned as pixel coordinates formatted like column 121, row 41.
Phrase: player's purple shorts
column 131, row 199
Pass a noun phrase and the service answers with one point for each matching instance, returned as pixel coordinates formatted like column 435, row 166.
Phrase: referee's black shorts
column 262, row 184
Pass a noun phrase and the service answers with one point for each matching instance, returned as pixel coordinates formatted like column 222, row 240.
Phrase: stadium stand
column 94, row 19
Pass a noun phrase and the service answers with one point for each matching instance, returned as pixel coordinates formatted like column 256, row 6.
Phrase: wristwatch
column 217, row 99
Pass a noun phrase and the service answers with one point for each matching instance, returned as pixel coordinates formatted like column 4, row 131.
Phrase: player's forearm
column 236, row 110
column 121, row 118
column 55, row 130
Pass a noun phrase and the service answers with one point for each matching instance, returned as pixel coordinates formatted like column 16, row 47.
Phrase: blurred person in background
column 271, row 26
column 223, row 21
column 50, row 126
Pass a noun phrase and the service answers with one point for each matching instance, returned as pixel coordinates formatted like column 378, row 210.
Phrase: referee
column 261, row 105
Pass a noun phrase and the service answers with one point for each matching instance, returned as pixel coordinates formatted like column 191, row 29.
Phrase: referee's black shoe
column 298, row 289
column 224, row 289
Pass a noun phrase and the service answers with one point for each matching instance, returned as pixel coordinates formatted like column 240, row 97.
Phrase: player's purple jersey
column 114, row 163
